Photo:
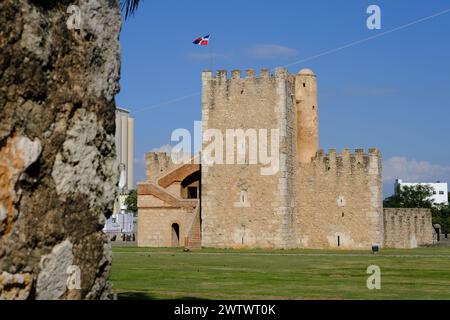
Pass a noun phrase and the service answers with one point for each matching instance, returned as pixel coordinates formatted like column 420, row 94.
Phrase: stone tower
column 314, row 200
column 242, row 204
column 307, row 115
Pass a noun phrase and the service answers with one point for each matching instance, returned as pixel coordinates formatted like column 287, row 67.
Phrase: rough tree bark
column 58, row 172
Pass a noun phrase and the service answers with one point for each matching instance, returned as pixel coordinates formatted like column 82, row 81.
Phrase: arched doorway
column 175, row 235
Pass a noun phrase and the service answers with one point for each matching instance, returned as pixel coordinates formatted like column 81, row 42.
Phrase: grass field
column 169, row 273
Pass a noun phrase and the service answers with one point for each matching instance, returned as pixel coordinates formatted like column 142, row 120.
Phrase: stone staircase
column 193, row 240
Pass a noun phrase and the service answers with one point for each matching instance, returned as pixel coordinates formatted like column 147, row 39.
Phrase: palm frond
column 129, row 7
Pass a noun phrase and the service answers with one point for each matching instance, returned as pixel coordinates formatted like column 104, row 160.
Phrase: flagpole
column 210, row 54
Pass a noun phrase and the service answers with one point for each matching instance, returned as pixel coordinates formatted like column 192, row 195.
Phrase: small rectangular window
column 192, row 192
column 441, row 192
column 434, row 192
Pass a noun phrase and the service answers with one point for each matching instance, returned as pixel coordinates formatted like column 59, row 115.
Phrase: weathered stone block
column 58, row 172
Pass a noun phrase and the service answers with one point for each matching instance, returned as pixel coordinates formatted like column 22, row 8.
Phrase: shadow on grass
column 133, row 295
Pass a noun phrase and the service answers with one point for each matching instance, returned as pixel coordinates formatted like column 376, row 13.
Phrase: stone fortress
column 314, row 200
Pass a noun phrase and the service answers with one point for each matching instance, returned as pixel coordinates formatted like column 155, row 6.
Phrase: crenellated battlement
column 264, row 73
column 157, row 163
column 348, row 162
column 244, row 99
column 156, row 156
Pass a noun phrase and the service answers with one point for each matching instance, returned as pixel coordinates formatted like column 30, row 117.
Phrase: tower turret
column 307, row 115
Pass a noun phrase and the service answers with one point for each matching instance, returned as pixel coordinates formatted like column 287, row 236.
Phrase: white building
column 122, row 221
column 125, row 144
column 440, row 189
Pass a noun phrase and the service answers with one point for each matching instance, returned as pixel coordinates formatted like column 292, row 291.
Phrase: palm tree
column 129, row 7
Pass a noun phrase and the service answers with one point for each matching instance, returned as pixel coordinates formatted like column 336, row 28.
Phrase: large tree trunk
column 58, row 172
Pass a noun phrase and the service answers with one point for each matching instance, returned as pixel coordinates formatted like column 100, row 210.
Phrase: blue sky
column 391, row 92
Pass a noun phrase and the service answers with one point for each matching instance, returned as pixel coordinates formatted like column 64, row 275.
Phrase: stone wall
column 58, row 172
column 339, row 200
column 160, row 203
column 156, row 219
column 156, row 164
column 264, row 219
column 407, row 227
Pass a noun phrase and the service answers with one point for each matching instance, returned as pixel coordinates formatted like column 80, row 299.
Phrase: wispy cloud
column 208, row 55
column 164, row 148
column 177, row 155
column 266, row 51
column 412, row 170
column 140, row 165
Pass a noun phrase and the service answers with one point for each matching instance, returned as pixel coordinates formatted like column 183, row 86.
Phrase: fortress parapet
column 347, row 162
column 342, row 191
column 156, row 164
column 223, row 75
column 241, row 100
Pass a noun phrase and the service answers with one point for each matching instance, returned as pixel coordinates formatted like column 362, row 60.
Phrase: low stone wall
column 339, row 200
column 407, row 227
column 155, row 226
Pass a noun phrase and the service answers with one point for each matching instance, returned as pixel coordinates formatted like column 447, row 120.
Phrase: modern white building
column 440, row 189
column 125, row 145
column 122, row 221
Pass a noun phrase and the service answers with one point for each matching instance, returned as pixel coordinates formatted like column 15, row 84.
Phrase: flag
column 202, row 41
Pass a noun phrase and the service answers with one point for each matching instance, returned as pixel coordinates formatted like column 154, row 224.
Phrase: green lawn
column 161, row 273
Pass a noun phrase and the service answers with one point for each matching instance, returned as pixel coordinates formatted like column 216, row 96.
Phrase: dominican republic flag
column 202, row 41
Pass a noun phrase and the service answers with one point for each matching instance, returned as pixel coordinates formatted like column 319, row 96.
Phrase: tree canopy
column 441, row 216
column 417, row 196
column 131, row 201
